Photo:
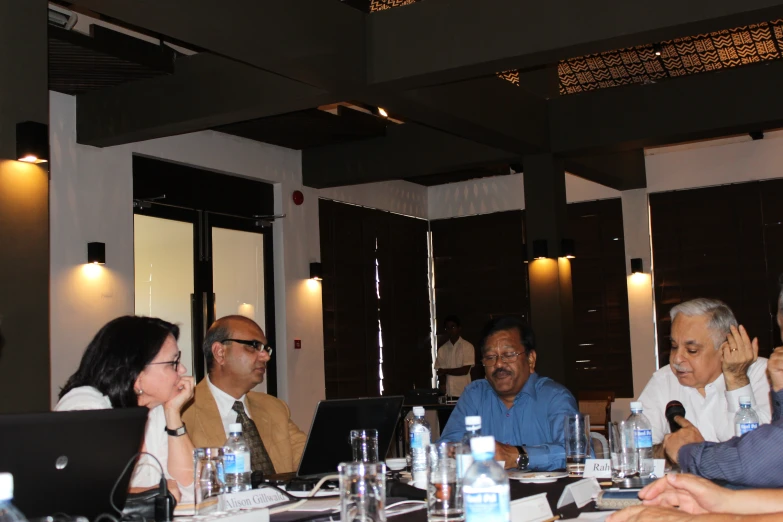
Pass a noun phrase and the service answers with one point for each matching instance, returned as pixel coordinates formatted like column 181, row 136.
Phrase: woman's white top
column 147, row 472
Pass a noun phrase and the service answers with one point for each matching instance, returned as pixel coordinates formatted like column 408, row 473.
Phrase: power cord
column 162, row 501
column 289, row 507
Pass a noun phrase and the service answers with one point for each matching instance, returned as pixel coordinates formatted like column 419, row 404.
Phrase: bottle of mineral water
column 485, row 486
column 464, row 457
column 8, row 512
column 236, row 460
column 642, row 440
column 419, row 438
column 745, row 419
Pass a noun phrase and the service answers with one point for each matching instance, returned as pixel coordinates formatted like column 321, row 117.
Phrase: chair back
column 597, row 404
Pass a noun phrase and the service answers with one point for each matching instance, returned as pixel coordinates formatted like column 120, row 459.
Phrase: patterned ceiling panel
column 640, row 65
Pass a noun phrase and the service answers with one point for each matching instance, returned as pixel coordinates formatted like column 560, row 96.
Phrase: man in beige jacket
column 237, row 353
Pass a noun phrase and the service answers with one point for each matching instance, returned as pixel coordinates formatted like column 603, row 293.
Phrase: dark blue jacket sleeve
column 753, row 460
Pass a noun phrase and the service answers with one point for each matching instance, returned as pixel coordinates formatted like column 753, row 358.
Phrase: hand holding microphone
column 674, row 409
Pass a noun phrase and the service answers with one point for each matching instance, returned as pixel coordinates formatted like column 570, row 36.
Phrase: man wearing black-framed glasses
column 237, row 353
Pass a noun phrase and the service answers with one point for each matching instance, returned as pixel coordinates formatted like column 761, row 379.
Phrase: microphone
column 674, row 409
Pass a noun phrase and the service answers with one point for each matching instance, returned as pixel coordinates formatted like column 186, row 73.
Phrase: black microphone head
column 674, row 409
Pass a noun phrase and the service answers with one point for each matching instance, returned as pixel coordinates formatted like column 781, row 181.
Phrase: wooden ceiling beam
column 439, row 41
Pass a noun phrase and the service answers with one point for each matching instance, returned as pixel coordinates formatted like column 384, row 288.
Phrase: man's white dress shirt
column 712, row 414
column 452, row 356
column 225, row 405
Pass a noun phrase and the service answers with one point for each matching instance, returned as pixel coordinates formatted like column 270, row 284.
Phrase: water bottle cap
column 6, row 486
column 745, row 399
column 483, row 444
column 473, row 421
column 636, row 406
column 418, row 411
column 235, row 428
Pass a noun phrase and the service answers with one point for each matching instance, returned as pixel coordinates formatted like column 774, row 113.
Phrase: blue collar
column 530, row 387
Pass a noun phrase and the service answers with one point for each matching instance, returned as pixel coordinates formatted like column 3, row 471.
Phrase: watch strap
column 176, row 433
column 522, row 459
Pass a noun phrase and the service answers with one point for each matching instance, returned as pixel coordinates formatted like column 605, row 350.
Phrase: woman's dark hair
column 509, row 322
column 117, row 355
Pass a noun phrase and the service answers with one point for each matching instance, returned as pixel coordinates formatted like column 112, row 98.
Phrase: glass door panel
column 163, row 255
column 238, row 276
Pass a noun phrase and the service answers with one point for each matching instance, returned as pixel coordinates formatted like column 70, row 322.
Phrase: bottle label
column 490, row 504
column 745, row 427
column 642, row 438
column 239, row 462
column 420, row 440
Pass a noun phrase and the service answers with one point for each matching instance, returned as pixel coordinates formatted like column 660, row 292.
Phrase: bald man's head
column 223, row 328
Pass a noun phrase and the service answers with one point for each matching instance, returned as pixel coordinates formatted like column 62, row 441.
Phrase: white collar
column 225, row 402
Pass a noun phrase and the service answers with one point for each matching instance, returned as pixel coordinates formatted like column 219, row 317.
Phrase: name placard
column 658, row 467
column 252, row 499
column 580, row 493
column 534, row 508
column 598, row 468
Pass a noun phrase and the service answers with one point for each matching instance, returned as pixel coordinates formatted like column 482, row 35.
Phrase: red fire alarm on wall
column 297, row 344
column 298, row 197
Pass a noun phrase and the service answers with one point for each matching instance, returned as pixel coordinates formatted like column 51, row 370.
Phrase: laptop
column 67, row 462
column 329, row 440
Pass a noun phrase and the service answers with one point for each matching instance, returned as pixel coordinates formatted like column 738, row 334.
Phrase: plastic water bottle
column 236, row 460
column 465, row 457
column 642, row 440
column 485, row 486
column 8, row 512
column 745, row 419
column 419, row 438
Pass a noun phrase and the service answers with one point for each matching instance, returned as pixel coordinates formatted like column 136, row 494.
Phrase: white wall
column 91, row 200
column 501, row 193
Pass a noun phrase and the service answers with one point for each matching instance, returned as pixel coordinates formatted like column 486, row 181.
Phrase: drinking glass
column 444, row 483
column 365, row 445
column 577, row 441
column 362, row 491
column 208, row 474
column 622, row 451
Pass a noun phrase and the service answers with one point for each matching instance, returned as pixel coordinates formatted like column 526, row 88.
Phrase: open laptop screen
column 329, row 440
column 67, row 462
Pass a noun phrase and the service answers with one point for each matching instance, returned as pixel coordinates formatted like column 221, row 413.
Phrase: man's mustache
column 500, row 371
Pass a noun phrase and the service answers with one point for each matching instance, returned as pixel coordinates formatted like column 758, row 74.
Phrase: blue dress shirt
column 753, row 460
column 534, row 421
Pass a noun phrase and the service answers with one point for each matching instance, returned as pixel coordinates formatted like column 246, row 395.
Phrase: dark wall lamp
column 540, row 249
column 316, row 271
column 96, row 253
column 636, row 265
column 32, row 142
column 567, row 248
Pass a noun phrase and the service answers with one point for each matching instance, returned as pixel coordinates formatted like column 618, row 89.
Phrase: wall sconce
column 316, row 271
column 540, row 249
column 32, row 142
column 96, row 253
column 636, row 265
column 567, row 249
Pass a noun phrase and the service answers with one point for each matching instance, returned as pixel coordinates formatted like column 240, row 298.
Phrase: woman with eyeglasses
column 135, row 361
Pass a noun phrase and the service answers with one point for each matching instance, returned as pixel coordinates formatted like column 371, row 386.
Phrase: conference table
column 518, row 490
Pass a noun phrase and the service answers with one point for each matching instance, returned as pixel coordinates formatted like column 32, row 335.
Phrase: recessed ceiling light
column 383, row 112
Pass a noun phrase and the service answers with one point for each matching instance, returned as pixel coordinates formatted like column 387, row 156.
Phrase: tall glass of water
column 444, row 483
column 364, row 444
column 577, row 442
column 362, row 491
column 622, row 451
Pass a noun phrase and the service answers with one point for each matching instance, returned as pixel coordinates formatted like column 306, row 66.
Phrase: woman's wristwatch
column 176, row 433
column 522, row 459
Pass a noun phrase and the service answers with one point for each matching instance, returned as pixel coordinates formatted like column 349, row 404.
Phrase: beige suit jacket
column 283, row 440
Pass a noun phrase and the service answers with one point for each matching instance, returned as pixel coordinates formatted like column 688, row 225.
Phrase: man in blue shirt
column 522, row 410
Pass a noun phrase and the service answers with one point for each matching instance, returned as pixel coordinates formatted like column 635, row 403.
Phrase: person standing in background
column 455, row 359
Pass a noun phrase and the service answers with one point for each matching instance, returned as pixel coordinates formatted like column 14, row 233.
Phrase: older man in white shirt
column 455, row 359
column 713, row 363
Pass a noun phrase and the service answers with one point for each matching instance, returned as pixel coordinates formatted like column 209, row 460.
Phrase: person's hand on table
column 507, row 453
column 689, row 493
column 688, row 434
column 649, row 514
